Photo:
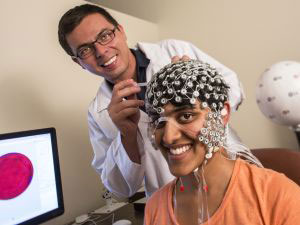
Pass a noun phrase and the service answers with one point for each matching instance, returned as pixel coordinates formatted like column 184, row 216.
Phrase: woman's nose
column 171, row 132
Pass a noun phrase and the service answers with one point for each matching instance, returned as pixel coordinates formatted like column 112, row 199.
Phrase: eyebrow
column 181, row 108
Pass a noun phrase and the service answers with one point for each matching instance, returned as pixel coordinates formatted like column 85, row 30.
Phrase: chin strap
column 181, row 185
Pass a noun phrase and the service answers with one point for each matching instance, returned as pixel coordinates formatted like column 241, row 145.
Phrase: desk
column 126, row 212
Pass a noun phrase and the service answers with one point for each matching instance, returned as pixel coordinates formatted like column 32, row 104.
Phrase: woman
column 217, row 181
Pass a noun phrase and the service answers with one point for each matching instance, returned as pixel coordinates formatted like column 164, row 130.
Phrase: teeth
column 180, row 150
column 110, row 61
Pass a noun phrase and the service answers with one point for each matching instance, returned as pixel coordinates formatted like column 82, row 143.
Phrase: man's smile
column 109, row 62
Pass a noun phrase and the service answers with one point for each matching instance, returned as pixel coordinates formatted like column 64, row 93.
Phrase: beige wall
column 247, row 36
column 41, row 87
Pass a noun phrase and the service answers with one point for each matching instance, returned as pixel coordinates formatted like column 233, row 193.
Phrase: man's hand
column 177, row 58
column 124, row 107
column 124, row 112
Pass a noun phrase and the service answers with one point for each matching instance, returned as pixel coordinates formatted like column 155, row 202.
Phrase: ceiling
column 143, row 9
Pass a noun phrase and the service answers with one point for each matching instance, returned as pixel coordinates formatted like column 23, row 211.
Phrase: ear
column 121, row 29
column 225, row 113
column 77, row 61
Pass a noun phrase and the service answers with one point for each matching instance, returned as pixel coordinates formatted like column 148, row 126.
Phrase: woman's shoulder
column 265, row 177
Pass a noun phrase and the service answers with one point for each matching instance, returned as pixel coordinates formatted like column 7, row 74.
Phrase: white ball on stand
column 278, row 94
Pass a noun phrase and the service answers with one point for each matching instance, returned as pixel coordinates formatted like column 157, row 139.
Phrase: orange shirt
column 255, row 196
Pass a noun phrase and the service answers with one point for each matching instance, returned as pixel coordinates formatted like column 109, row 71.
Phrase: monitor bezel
column 60, row 209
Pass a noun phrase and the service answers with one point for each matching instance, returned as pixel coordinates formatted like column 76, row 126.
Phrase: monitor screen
column 30, row 182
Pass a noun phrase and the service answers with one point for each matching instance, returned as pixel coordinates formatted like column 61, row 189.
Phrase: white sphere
column 278, row 93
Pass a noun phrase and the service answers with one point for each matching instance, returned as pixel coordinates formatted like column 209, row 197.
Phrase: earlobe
column 121, row 29
column 225, row 113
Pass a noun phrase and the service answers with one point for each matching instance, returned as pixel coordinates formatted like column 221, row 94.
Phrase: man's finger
column 175, row 58
column 128, row 92
column 127, row 104
column 185, row 58
column 124, row 91
column 125, row 113
column 123, row 84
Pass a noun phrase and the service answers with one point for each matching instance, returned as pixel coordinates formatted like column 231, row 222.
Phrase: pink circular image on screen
column 16, row 173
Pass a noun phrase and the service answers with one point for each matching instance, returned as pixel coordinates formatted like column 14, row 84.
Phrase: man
column 123, row 155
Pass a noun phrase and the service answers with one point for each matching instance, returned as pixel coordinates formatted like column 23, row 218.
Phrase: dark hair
column 72, row 18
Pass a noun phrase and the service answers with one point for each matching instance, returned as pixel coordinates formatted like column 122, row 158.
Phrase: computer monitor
column 30, row 182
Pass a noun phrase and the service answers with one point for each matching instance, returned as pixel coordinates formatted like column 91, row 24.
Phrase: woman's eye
column 186, row 117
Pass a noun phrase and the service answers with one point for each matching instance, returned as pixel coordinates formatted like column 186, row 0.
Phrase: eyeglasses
column 103, row 38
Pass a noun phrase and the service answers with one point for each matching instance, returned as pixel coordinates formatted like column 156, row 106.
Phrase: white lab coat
column 118, row 173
